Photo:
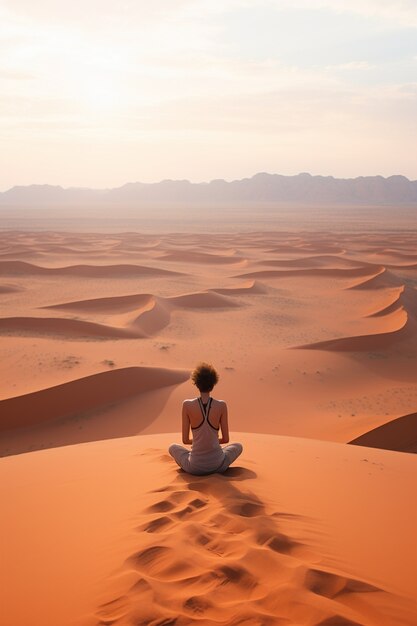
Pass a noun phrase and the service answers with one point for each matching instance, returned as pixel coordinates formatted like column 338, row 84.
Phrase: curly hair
column 204, row 377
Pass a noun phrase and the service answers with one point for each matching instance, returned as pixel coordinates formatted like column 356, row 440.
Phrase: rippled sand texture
column 314, row 335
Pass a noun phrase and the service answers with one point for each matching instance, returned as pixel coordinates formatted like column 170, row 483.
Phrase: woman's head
column 204, row 377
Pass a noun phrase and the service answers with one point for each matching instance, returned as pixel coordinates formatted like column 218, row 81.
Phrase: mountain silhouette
column 262, row 188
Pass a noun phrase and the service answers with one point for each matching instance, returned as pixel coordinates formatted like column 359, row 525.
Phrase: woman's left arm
column 185, row 425
column 224, row 424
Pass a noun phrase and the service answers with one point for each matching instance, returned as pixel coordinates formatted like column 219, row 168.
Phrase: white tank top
column 206, row 452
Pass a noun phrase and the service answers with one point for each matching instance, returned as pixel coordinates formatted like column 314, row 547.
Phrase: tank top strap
column 205, row 410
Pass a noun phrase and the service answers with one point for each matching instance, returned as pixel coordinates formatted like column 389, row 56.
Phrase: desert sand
column 314, row 334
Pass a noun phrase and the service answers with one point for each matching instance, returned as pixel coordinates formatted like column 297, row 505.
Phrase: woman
column 206, row 416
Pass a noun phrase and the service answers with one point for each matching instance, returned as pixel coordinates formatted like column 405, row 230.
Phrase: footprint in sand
column 192, row 507
column 151, row 560
column 197, row 503
column 156, row 525
column 278, row 542
column 197, row 604
column 330, row 585
column 113, row 611
column 161, row 563
column 161, row 507
column 247, row 509
column 169, row 503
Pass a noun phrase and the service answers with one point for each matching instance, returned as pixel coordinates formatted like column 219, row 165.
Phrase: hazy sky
column 98, row 93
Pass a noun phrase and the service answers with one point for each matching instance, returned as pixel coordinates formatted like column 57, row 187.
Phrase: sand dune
column 20, row 268
column 394, row 304
column 154, row 315
column 402, row 266
column 58, row 249
column 391, row 252
column 158, row 314
column 398, row 434
column 406, row 298
column 316, row 261
column 10, row 288
column 120, row 304
column 114, row 304
column 201, row 301
column 409, row 300
column 251, row 286
column 141, row 246
column 20, row 254
column 405, row 252
column 397, row 329
column 84, row 394
column 324, row 248
column 56, row 326
column 154, row 319
column 282, row 249
column 201, row 257
column 331, row 272
column 379, row 280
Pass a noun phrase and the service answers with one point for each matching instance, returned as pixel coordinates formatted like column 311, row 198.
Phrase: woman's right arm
column 185, row 425
column 224, row 424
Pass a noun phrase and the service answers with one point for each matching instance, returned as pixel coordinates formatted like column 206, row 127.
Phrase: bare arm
column 224, row 425
column 185, row 426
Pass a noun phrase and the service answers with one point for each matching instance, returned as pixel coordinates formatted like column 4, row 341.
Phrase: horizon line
column 208, row 182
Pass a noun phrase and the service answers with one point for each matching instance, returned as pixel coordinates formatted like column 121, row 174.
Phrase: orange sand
column 314, row 335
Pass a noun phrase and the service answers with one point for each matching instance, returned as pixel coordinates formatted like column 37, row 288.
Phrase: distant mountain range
column 262, row 188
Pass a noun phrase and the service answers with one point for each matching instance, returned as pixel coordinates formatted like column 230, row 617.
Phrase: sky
column 98, row 93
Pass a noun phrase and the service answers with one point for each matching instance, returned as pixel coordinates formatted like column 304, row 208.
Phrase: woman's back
column 205, row 434
column 217, row 409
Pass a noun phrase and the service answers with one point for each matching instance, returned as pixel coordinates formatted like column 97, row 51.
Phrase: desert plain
column 314, row 335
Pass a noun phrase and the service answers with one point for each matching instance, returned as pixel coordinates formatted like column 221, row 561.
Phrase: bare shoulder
column 221, row 404
column 188, row 401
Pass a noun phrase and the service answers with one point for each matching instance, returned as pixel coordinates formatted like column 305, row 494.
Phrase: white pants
column 182, row 457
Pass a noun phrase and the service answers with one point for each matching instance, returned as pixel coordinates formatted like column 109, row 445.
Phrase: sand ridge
column 83, row 394
column 9, row 288
column 396, row 328
column 191, row 256
column 397, row 434
column 311, row 271
column 154, row 315
column 17, row 268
